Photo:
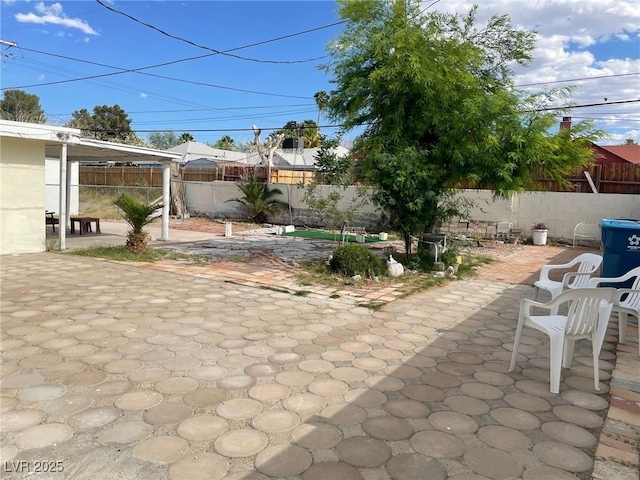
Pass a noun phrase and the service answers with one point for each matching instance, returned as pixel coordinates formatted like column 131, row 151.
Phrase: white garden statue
column 394, row 268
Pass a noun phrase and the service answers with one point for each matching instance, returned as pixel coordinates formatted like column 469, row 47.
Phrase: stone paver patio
column 123, row 372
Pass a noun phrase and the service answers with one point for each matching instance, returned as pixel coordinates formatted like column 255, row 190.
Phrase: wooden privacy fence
column 608, row 178
column 120, row 176
column 152, row 177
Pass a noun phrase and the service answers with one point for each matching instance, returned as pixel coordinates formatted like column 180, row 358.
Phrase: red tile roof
column 630, row 153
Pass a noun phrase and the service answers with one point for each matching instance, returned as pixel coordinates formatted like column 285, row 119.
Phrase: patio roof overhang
column 68, row 145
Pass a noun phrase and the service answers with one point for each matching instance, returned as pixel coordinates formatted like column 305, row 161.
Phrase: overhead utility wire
column 219, row 52
column 136, row 70
column 139, row 70
column 208, row 109
column 578, row 79
column 584, row 105
column 339, row 126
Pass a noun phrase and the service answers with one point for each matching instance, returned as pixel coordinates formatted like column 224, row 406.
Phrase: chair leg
column 555, row 360
column 516, row 343
column 622, row 326
column 596, row 365
column 567, row 356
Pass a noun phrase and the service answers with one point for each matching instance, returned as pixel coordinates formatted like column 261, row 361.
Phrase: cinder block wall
column 213, row 200
column 559, row 211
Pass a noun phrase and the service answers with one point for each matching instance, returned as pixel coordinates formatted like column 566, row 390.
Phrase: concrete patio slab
column 112, row 371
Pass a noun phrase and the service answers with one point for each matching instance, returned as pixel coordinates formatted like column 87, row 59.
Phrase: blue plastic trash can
column 621, row 247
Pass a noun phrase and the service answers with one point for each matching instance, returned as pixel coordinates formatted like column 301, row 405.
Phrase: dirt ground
column 493, row 249
column 207, row 225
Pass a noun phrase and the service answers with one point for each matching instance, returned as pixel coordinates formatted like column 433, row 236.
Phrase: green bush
column 351, row 260
column 449, row 256
column 421, row 261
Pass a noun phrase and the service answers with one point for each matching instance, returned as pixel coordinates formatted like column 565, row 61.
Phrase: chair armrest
column 571, row 275
column 627, row 291
column 526, row 304
column 544, row 272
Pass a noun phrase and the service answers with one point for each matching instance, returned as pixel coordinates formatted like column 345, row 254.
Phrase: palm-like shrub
column 259, row 198
column 137, row 215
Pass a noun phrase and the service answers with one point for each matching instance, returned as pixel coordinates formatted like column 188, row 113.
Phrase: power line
column 210, row 108
column 115, row 85
column 233, row 117
column 549, row 109
column 609, row 119
column 340, row 125
column 578, row 79
column 218, row 52
column 139, row 71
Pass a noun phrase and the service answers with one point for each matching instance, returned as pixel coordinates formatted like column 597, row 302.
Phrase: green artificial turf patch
column 328, row 236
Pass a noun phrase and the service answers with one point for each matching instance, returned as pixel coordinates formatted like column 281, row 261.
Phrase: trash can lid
column 620, row 223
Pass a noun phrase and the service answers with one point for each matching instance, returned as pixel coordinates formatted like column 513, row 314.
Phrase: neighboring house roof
column 288, row 159
column 196, row 150
column 303, row 159
column 630, row 153
column 208, row 163
column 78, row 148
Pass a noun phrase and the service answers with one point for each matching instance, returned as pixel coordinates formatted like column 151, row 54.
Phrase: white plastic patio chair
column 587, row 317
column 628, row 302
column 587, row 263
column 586, row 231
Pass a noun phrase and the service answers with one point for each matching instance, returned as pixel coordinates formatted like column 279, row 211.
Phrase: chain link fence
column 97, row 200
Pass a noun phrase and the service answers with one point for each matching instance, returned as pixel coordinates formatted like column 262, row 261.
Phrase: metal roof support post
column 68, row 191
column 166, row 199
column 62, row 198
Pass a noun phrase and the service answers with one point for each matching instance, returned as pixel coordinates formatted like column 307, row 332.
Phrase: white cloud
column 53, row 14
column 8, row 2
column 567, row 32
column 41, row 77
column 143, row 95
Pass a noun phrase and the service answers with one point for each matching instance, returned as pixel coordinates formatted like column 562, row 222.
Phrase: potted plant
column 137, row 214
column 539, row 233
column 451, row 258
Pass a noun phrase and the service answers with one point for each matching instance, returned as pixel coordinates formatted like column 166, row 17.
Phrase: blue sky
column 577, row 40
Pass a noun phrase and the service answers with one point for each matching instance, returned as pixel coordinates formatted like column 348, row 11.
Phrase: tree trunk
column 177, row 191
column 407, row 243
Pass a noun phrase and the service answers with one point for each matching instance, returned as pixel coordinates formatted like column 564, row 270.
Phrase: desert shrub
column 351, row 260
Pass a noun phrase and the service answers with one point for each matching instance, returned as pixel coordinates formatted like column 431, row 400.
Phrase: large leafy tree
column 110, row 123
column 435, row 95
column 20, row 106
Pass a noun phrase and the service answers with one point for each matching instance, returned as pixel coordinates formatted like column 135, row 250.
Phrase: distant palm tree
column 225, row 143
column 186, row 137
column 322, row 100
column 312, row 137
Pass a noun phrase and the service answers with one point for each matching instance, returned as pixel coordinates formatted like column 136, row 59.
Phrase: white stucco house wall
column 24, row 175
column 22, row 195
